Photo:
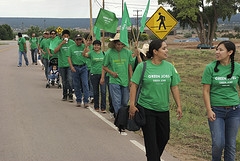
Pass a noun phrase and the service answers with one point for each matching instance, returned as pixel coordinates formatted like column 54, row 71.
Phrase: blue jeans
column 95, row 80
column 119, row 95
column 224, row 132
column 66, row 75
column 90, row 86
column 81, row 75
column 20, row 54
column 34, row 55
column 46, row 66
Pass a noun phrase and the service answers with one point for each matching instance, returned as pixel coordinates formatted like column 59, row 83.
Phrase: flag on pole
column 107, row 21
column 124, row 25
column 144, row 17
column 97, row 32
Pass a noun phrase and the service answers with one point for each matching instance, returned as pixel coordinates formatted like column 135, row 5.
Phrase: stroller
column 53, row 76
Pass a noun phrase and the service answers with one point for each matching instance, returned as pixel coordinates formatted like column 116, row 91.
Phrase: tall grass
column 192, row 131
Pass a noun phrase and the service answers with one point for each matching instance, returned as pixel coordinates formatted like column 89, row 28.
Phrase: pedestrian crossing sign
column 161, row 23
column 59, row 30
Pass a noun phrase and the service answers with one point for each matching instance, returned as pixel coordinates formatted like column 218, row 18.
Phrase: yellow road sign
column 59, row 30
column 161, row 22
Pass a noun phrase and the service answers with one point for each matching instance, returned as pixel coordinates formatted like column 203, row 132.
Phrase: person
column 117, row 63
column 159, row 79
column 78, row 67
column 88, row 44
column 34, row 48
column 45, row 54
column 54, row 74
column 220, row 80
column 139, row 56
column 22, row 50
column 63, row 65
column 96, row 57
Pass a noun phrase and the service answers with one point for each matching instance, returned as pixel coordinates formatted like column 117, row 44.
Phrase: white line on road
column 140, row 146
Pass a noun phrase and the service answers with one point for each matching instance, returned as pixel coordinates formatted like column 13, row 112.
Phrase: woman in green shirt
column 220, row 80
column 159, row 79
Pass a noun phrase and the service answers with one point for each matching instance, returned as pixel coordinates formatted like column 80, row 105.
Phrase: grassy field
column 190, row 136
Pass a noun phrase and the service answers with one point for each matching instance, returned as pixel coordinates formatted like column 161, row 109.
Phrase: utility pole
column 137, row 22
column 91, row 23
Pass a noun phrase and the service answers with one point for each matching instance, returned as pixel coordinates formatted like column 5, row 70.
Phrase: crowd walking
column 110, row 80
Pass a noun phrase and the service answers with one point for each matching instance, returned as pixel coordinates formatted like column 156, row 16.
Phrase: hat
column 144, row 49
column 46, row 32
column 111, row 43
column 78, row 36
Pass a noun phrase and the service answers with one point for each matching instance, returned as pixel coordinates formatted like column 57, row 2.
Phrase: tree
column 6, row 33
column 202, row 15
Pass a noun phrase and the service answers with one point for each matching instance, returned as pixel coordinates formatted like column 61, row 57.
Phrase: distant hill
column 23, row 23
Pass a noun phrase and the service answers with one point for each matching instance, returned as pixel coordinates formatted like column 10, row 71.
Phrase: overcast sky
column 71, row 8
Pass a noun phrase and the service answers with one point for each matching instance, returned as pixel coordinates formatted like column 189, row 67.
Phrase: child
column 53, row 74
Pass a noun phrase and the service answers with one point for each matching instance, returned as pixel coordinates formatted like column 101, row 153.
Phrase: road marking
column 140, row 146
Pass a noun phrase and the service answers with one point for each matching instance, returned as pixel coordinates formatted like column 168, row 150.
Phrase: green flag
column 107, row 21
column 144, row 17
column 97, row 32
column 124, row 25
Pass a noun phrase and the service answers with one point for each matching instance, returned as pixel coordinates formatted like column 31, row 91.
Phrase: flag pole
column 91, row 23
column 103, row 33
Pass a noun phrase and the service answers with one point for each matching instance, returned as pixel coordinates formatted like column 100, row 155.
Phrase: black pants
column 156, row 133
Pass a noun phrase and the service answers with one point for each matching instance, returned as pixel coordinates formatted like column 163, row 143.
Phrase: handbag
column 122, row 120
column 138, row 120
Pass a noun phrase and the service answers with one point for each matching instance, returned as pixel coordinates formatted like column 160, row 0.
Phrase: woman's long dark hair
column 155, row 44
column 229, row 46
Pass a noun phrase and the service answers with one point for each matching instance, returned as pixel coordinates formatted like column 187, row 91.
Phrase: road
column 35, row 125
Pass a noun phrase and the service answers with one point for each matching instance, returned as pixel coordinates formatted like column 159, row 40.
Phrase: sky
column 72, row 8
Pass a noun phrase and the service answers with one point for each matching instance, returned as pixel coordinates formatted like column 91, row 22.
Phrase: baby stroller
column 53, row 76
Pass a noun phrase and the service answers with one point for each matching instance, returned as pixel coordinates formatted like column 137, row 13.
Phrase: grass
column 192, row 133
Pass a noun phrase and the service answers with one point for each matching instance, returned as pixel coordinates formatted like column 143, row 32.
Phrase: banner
column 107, row 21
column 97, row 32
column 124, row 26
column 144, row 17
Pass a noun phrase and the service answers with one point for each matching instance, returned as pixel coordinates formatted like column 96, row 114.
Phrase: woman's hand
column 211, row 115
column 132, row 111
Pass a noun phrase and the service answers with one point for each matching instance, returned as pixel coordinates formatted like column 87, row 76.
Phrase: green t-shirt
column 156, row 84
column 44, row 45
column 96, row 60
column 118, row 62
column 33, row 43
column 63, row 53
column 88, row 61
column 53, row 44
column 75, row 53
column 223, row 91
column 21, row 42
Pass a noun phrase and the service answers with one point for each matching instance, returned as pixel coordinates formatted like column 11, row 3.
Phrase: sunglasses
column 53, row 33
column 78, row 39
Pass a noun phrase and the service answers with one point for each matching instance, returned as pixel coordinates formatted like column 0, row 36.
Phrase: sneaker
column 97, row 109
column 103, row 111
column 70, row 99
column 78, row 104
column 86, row 105
column 64, row 98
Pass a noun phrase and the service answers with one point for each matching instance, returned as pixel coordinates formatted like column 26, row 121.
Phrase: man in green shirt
column 117, row 63
column 22, row 50
column 34, row 48
column 64, row 68
column 44, row 45
column 79, row 71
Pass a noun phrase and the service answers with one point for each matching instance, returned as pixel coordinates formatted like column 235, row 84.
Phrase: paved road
column 35, row 125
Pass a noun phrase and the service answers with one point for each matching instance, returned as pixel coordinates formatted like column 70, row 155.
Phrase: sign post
column 161, row 23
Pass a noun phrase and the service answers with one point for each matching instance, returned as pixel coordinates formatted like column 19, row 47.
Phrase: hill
column 23, row 23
